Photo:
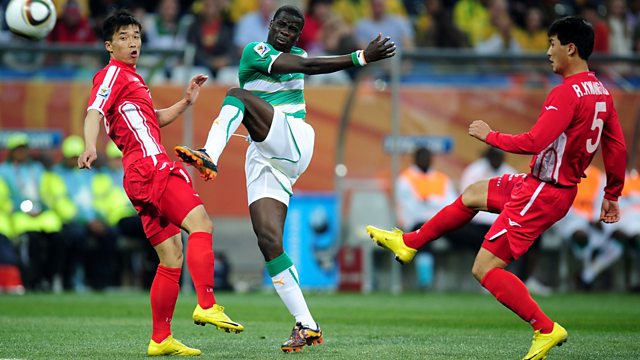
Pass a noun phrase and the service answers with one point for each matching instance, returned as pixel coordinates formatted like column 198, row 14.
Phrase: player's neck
column 576, row 68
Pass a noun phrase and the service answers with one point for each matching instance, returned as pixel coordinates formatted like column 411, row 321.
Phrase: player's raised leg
column 239, row 107
column 451, row 217
column 226, row 123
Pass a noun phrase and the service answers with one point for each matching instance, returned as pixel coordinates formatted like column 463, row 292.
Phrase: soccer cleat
column 393, row 241
column 215, row 316
column 301, row 336
column 171, row 346
column 198, row 159
column 542, row 343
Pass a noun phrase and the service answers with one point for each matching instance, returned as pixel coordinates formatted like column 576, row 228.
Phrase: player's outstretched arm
column 378, row 49
column 610, row 212
column 91, row 130
column 168, row 115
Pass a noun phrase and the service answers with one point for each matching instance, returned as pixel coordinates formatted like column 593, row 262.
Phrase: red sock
column 164, row 294
column 513, row 294
column 200, row 263
column 451, row 217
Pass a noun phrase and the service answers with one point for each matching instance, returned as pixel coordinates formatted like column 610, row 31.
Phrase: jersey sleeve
column 614, row 154
column 258, row 56
column 105, row 90
column 555, row 117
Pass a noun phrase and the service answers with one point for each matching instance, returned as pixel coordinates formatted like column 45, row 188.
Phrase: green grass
column 376, row 326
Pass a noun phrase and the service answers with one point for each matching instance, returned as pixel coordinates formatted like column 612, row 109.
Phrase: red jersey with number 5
column 122, row 97
column 576, row 117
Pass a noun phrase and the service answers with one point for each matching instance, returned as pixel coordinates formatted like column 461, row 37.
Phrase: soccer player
column 160, row 189
column 271, row 106
column 576, row 116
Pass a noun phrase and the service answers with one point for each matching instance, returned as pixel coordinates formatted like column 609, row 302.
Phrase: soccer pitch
column 374, row 326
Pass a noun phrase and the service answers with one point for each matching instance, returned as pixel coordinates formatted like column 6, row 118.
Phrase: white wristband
column 357, row 58
column 360, row 56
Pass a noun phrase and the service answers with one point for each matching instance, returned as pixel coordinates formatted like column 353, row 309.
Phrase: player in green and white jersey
column 271, row 106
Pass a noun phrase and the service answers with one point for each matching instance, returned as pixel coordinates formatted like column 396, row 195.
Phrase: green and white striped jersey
column 285, row 92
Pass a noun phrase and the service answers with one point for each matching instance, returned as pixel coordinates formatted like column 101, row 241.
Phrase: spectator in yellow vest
column 33, row 228
column 90, row 242
column 138, row 260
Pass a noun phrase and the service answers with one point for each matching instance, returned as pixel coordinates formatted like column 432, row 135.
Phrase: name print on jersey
column 590, row 88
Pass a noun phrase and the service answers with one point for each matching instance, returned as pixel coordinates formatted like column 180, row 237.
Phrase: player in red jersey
column 160, row 189
column 576, row 117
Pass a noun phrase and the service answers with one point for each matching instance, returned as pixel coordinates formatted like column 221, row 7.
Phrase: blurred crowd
column 219, row 29
column 67, row 229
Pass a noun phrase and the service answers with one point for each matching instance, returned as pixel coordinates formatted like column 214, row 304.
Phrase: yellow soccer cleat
column 393, row 241
column 215, row 316
column 171, row 347
column 542, row 343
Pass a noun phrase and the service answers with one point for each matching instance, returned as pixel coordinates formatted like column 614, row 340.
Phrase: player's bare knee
column 269, row 247
column 478, row 271
column 197, row 220
column 475, row 195
column 207, row 225
column 170, row 257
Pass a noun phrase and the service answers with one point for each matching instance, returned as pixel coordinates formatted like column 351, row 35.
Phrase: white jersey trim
column 291, row 109
column 105, row 88
column 272, row 87
column 533, row 198
column 137, row 123
column 96, row 108
column 273, row 59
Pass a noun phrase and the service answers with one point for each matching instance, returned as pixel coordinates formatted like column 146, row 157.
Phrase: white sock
column 286, row 284
column 223, row 127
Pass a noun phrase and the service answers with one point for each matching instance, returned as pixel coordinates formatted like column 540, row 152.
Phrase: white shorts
column 272, row 166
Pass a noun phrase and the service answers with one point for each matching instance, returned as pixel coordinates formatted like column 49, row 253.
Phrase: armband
column 357, row 57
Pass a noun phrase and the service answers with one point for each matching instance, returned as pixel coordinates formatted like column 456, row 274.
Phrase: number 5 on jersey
column 598, row 124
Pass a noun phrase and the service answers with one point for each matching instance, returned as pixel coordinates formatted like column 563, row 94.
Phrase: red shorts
column 527, row 207
column 162, row 192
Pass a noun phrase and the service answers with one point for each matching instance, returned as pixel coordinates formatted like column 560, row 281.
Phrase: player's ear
column 107, row 45
column 572, row 49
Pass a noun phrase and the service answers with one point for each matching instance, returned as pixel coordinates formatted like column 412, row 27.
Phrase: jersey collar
column 580, row 75
column 119, row 63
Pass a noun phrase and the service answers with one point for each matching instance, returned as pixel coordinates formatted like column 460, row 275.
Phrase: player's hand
column 86, row 159
column 193, row 90
column 479, row 130
column 610, row 212
column 379, row 48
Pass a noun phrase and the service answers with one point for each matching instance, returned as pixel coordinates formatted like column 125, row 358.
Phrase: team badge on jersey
column 103, row 91
column 261, row 49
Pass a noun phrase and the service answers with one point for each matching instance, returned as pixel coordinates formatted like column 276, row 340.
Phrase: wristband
column 357, row 57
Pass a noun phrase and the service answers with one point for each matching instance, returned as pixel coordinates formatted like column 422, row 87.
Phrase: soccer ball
column 33, row 19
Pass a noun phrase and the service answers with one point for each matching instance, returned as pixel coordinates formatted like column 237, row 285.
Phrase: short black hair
column 119, row 19
column 291, row 10
column 576, row 30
